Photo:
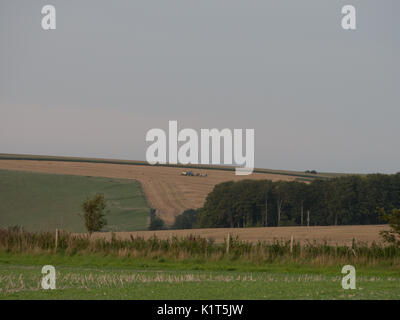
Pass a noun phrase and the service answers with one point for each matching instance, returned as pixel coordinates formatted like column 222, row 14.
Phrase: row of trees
column 352, row 199
column 346, row 200
column 248, row 203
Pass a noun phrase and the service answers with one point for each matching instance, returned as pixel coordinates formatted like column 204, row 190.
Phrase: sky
column 318, row 97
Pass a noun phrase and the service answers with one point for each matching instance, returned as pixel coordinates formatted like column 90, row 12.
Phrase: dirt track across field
column 165, row 189
column 341, row 235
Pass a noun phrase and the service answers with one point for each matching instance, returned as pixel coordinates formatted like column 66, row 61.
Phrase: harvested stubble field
column 165, row 189
column 332, row 235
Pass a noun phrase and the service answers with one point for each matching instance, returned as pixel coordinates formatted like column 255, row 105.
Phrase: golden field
column 341, row 235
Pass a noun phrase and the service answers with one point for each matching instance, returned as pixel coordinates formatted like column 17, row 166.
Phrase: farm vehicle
column 191, row 174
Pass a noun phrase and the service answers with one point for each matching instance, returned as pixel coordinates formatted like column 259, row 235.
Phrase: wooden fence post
column 291, row 244
column 353, row 246
column 56, row 238
column 301, row 250
column 228, row 243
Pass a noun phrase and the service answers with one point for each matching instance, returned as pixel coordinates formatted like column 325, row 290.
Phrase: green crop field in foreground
column 23, row 282
column 98, row 277
column 39, row 201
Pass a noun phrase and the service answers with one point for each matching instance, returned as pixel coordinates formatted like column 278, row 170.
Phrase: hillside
column 165, row 188
column 39, row 201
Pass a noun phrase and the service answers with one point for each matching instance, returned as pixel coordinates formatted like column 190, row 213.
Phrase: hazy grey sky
column 318, row 97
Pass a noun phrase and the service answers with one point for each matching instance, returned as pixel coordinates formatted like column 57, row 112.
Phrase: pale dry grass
column 165, row 189
column 13, row 283
column 341, row 235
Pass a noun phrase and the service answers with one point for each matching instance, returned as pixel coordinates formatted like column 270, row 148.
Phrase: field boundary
column 332, row 235
column 307, row 177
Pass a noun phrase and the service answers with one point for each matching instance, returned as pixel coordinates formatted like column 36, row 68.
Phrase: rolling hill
column 165, row 188
column 41, row 201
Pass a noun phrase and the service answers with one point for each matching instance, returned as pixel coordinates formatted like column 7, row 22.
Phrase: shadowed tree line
column 347, row 200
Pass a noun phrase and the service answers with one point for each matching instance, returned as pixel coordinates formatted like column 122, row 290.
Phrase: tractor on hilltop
column 191, row 174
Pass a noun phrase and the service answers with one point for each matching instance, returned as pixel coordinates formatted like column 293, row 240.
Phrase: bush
column 392, row 236
column 187, row 220
column 93, row 213
column 157, row 224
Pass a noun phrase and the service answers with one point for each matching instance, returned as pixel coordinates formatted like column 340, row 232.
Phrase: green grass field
column 105, row 278
column 39, row 201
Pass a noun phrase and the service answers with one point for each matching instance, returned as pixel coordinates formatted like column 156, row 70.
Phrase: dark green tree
column 186, row 220
column 157, row 224
column 93, row 213
column 391, row 236
column 350, row 199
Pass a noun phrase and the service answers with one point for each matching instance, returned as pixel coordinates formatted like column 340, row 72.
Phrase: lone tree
column 187, row 220
column 393, row 235
column 93, row 213
column 157, row 224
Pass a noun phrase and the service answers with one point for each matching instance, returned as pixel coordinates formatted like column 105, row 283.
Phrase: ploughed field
column 165, row 188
